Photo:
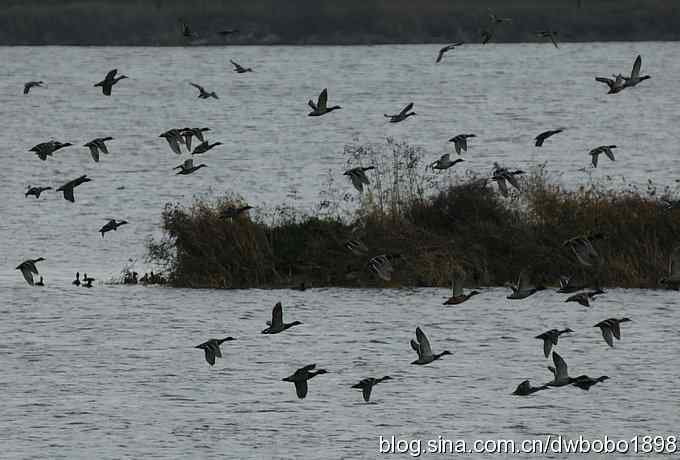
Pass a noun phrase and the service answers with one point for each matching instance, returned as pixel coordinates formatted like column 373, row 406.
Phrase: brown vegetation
column 433, row 227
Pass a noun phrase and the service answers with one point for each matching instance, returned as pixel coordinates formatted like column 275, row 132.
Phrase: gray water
column 110, row 372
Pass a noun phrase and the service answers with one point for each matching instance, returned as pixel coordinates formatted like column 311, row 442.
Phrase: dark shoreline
column 326, row 22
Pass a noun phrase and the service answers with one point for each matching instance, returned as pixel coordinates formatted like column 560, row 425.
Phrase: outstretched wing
column 198, row 87
column 635, row 73
column 406, row 109
column 277, row 315
column 416, row 347
column 94, row 152
column 561, row 371
column 111, row 75
column 323, row 100
column 301, row 388
column 366, row 391
column 425, row 348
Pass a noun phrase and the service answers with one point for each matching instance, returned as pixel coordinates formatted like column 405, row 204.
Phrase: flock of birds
column 382, row 265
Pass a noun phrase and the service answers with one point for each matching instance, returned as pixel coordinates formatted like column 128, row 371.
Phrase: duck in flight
column 583, row 249
column 175, row 138
column 616, row 84
column 187, row 134
column 568, row 285
column 422, row 346
column 367, row 384
column 672, row 281
column 76, row 282
column 550, row 34
column 33, row 84
column 188, row 167
column 403, row 115
column 502, row 176
column 496, row 19
column 227, row 32
column 545, row 135
column 356, row 247
column 321, row 106
column 381, row 266
column 186, row 30
column 97, row 146
column 110, row 80
column 584, row 298
column 238, row 68
column 635, row 77
column 445, row 162
column 611, row 327
column 68, row 187
column 597, row 151
column 45, row 149
column 204, row 146
column 550, row 338
column 460, row 142
column 561, row 376
column 445, row 50
column 36, row 191
column 486, row 35
column 457, row 295
column 277, row 325
column 202, row 93
column 111, row 225
column 358, row 176
column 87, row 281
column 28, row 269
column 584, row 382
column 525, row 389
column 212, row 349
column 522, row 289
column 300, row 377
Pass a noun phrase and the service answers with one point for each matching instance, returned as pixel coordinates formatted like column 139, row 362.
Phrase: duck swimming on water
column 321, row 106
column 110, row 80
column 300, row 377
column 277, row 325
column 212, row 349
column 28, row 269
column 367, row 384
column 422, row 346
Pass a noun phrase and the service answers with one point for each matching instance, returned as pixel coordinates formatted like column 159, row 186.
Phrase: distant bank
column 160, row 22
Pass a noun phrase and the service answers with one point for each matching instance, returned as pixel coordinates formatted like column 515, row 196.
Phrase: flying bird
column 366, row 385
column 550, row 34
column 403, row 115
column 36, row 191
column 460, row 142
column 550, row 338
column 33, row 84
column 546, row 134
column 110, row 80
column 238, row 68
column 68, row 187
column 204, row 146
column 300, row 378
column 111, row 225
column 422, row 346
column 188, row 167
column 525, row 389
column 446, row 49
column 444, row 162
column 584, row 298
column 212, row 349
column 597, row 151
column 358, row 177
column 277, row 325
column 321, row 106
column 611, row 327
column 457, row 294
column 635, row 77
column 202, row 93
column 28, row 269
column 98, row 146
column 616, row 85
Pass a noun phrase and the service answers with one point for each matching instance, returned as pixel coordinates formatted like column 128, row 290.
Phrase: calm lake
column 111, row 372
